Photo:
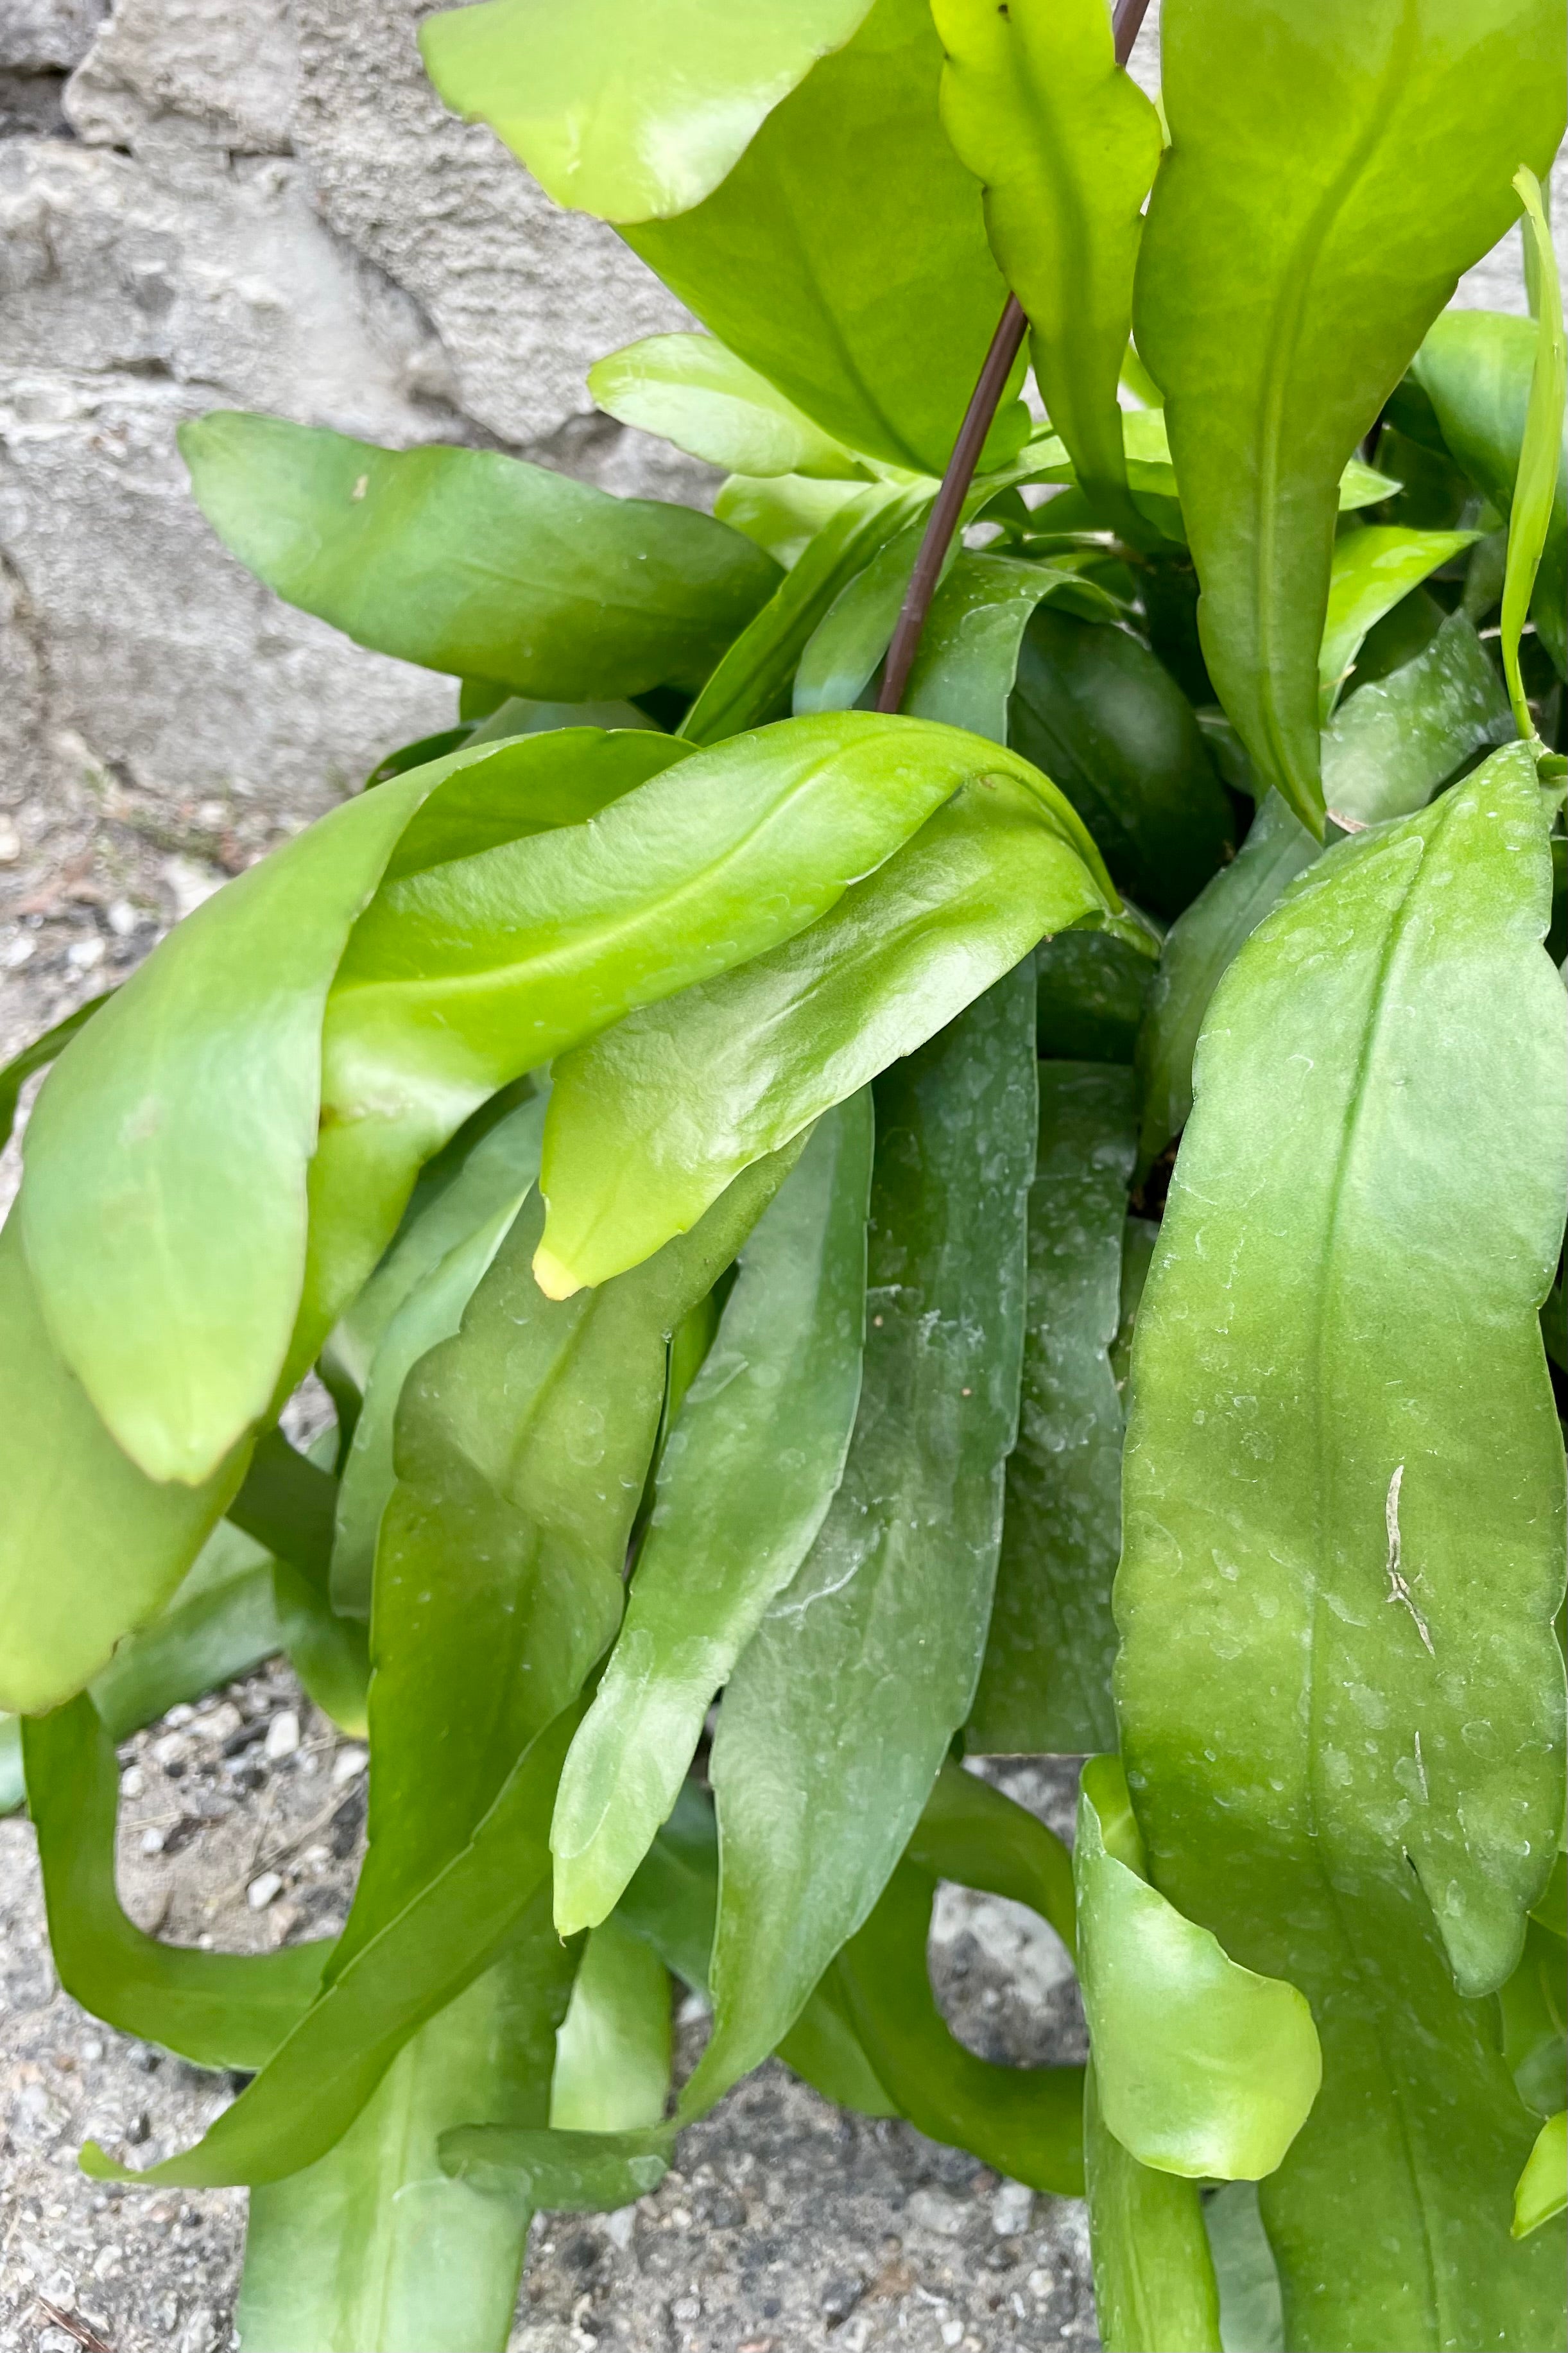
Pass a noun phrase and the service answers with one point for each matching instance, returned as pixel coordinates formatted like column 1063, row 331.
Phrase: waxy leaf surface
column 789, row 261
column 623, row 110
column 691, row 390
column 1339, row 1690
column 1065, row 144
column 1153, row 2274
column 745, row 1479
column 1045, row 1683
column 974, row 633
column 1386, row 136
column 474, row 562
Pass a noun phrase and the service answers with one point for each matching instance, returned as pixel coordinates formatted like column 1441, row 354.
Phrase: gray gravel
column 785, row 2225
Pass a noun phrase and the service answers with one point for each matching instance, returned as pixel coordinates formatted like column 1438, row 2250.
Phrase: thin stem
column 943, row 521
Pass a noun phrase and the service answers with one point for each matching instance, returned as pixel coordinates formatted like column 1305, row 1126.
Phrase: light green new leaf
column 649, row 1122
column 783, row 512
column 219, row 2009
column 373, row 2249
column 460, row 979
column 1541, row 451
column 1386, row 136
column 1340, row 1691
column 484, row 1198
column 1066, row 145
column 1203, row 2069
column 744, row 1482
column 630, row 112
column 1046, row 1682
column 186, row 1114
column 1153, row 2274
column 841, row 1709
column 788, row 263
column 474, row 562
column 1476, row 369
column 691, row 390
column 612, row 2055
column 751, row 684
column 1542, row 2187
column 1375, row 565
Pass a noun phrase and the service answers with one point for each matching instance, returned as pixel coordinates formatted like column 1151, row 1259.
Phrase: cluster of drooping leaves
column 710, row 1136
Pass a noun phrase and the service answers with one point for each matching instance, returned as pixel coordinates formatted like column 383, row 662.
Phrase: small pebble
column 953, row 2332
column 10, row 842
column 123, row 918
column 261, row 1890
column 1011, row 2209
column 19, row 951
column 171, row 1748
column 153, row 1842
column 347, row 1766
column 180, row 1716
column 133, row 1782
column 282, row 1735
column 83, row 955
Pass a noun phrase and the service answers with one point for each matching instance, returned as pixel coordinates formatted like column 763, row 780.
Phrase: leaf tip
column 554, row 1278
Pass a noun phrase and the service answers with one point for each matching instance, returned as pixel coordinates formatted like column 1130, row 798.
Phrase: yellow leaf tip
column 554, row 1278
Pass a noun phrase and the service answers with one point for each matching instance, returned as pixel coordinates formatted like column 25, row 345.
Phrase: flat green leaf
column 1113, row 730
column 1393, row 741
column 1204, row 2069
column 1374, row 566
column 1046, row 1682
column 1091, row 986
column 1066, row 145
column 373, row 2249
column 841, row 1709
column 1154, row 2276
column 523, row 1446
column 745, row 1479
column 221, row 1623
column 416, row 1961
column 783, row 512
column 1385, row 137
column 494, row 1184
column 219, row 2009
column 462, row 978
column 1543, row 2189
column 1026, row 2122
column 1532, row 2003
column 649, row 1122
column 185, row 1113
column 1344, row 1479
column 474, row 562
column 612, row 2052
column 37, row 1057
column 1531, row 514
column 75, row 1501
column 788, row 262
column 1476, row 369
column 691, row 390
column 622, row 110
column 751, row 684
column 969, row 652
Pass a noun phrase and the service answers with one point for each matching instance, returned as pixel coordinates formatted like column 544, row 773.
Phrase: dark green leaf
column 969, row 654
column 1091, row 986
column 1046, row 1682
column 474, row 562
column 1112, row 728
column 746, row 1477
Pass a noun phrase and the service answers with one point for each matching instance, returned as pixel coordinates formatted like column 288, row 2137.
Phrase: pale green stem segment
column 1344, row 1476
column 1153, row 2274
column 1541, row 453
column 1204, row 2069
column 1046, row 1682
column 373, row 2249
column 746, row 1476
column 612, row 2052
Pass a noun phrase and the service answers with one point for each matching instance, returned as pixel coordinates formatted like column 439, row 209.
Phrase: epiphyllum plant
column 708, row 1117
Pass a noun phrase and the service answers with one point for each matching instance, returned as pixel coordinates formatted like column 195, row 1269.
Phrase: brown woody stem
column 992, row 382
